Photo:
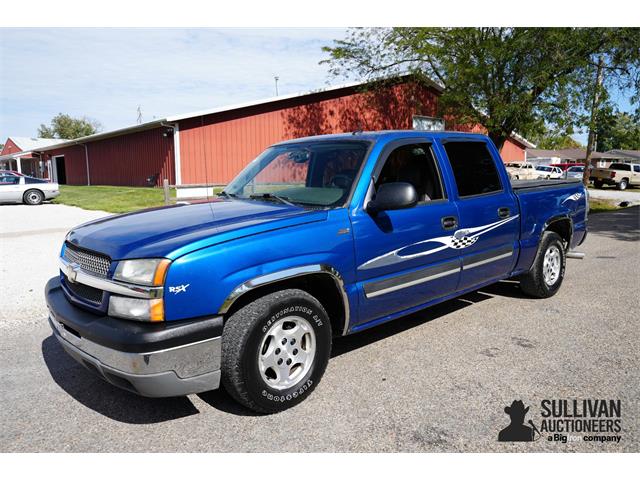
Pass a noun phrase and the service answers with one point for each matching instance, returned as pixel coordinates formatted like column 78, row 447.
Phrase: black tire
column 33, row 197
column 242, row 339
column 624, row 183
column 533, row 282
column 597, row 183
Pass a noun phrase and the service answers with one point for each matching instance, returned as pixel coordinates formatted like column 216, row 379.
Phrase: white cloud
column 106, row 73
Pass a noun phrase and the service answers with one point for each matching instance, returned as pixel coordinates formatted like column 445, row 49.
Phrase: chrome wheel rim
column 33, row 197
column 551, row 265
column 286, row 352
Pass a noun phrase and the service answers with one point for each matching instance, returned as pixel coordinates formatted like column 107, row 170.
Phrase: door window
column 473, row 168
column 413, row 164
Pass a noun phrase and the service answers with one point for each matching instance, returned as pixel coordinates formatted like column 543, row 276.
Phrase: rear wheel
column 275, row 350
column 547, row 272
column 597, row 183
column 33, row 197
column 624, row 183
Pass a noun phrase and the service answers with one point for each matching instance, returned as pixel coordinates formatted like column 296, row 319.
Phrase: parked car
column 621, row 175
column 565, row 166
column 317, row 238
column 28, row 190
column 574, row 172
column 548, row 172
column 521, row 171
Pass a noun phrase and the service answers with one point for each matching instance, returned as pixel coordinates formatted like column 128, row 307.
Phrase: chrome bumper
column 177, row 371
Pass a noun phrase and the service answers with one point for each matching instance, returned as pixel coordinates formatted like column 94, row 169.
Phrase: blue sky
column 106, row 73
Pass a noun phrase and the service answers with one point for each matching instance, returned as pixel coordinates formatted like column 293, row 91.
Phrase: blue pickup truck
column 316, row 238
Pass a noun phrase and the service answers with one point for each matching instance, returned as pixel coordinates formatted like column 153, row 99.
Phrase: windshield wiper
column 226, row 194
column 270, row 196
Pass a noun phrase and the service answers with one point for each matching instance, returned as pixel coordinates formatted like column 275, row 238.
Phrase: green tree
column 66, row 127
column 507, row 79
column 618, row 131
column 554, row 140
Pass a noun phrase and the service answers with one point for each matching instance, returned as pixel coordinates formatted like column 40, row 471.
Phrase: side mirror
column 393, row 196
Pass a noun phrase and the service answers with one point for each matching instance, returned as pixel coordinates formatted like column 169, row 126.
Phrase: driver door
column 403, row 257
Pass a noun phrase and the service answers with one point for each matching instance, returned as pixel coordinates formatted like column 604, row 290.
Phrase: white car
column 574, row 172
column 547, row 172
column 29, row 190
column 521, row 171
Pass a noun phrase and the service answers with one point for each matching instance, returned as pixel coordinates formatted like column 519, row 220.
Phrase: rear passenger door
column 489, row 224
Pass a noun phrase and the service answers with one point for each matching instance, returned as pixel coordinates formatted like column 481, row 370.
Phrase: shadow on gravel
column 110, row 401
column 352, row 342
column 619, row 225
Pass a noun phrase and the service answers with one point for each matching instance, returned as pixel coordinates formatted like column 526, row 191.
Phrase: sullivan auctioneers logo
column 587, row 420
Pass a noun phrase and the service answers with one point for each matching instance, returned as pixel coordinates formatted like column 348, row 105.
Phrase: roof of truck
column 383, row 134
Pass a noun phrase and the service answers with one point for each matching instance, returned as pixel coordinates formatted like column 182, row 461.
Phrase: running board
column 577, row 255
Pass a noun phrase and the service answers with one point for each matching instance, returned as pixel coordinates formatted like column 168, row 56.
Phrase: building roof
column 30, row 143
column 51, row 144
column 568, row 154
column 632, row 154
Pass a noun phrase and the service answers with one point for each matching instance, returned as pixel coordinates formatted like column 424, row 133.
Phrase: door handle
column 504, row 212
column 449, row 222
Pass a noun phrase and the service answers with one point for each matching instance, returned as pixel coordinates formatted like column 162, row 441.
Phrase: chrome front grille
column 84, row 292
column 89, row 262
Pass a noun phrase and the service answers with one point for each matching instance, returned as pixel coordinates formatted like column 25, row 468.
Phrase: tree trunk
column 595, row 105
column 498, row 138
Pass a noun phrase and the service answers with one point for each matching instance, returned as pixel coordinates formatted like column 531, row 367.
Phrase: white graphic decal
column 575, row 197
column 179, row 288
column 462, row 238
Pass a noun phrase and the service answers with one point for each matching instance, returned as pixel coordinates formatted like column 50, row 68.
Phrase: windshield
column 576, row 169
column 316, row 174
column 544, row 169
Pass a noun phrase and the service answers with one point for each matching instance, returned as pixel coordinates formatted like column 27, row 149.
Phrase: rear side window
column 620, row 166
column 33, row 180
column 473, row 168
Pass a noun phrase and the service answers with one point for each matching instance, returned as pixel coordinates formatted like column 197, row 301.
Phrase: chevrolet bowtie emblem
column 72, row 271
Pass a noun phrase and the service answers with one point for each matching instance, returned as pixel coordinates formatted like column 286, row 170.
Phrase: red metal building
column 212, row 146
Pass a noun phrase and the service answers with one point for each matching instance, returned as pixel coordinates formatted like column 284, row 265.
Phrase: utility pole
column 276, row 78
column 595, row 106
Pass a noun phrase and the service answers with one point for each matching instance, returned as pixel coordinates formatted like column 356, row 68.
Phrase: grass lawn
column 111, row 199
column 598, row 205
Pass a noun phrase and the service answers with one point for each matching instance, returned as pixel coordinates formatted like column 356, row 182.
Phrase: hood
column 161, row 232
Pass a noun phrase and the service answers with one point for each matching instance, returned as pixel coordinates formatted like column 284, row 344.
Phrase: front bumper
column 153, row 360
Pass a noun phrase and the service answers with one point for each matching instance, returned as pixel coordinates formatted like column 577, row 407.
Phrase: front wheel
column 544, row 278
column 33, row 197
column 275, row 350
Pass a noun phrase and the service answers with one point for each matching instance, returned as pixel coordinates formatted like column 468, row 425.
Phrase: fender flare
column 286, row 274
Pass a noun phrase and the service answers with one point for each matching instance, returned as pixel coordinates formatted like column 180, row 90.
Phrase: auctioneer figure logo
column 517, row 431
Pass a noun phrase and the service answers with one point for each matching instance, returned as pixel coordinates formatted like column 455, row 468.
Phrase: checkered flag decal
column 463, row 242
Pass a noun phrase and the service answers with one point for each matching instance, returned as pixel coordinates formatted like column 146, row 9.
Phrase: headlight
column 148, row 271
column 142, row 309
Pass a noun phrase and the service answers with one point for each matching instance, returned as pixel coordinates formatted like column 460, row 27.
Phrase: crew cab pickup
column 622, row 175
column 316, row 238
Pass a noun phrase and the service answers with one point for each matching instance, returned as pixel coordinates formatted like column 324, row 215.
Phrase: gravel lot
column 435, row 381
column 31, row 238
column 631, row 195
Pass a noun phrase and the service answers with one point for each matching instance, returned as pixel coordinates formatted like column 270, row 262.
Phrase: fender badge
column 179, row 288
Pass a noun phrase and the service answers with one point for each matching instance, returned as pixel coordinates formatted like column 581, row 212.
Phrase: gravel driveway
column 30, row 238
column 631, row 195
column 435, row 381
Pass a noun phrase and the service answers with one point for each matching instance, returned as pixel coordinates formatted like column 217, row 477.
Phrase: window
column 315, row 174
column 636, row 168
column 473, row 168
column 429, row 124
column 620, row 166
column 9, row 180
column 33, row 180
column 413, row 164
